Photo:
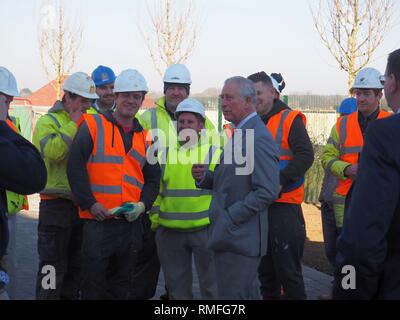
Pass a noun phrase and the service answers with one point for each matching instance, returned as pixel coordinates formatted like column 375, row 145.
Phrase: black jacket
column 80, row 152
column 22, row 170
column 370, row 239
column 299, row 143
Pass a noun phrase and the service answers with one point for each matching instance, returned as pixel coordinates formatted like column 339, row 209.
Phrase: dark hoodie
column 22, row 170
column 80, row 153
column 299, row 143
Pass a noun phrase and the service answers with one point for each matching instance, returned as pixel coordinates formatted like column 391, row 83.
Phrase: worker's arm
column 78, row 176
column 367, row 227
column 151, row 188
column 331, row 156
column 22, row 170
column 303, row 153
column 52, row 141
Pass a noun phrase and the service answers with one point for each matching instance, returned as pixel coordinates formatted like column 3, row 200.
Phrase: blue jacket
column 22, row 170
column 370, row 239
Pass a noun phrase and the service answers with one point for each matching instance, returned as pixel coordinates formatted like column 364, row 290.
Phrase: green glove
column 135, row 212
column 119, row 211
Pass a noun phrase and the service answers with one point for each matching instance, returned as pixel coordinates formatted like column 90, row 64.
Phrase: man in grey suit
column 244, row 184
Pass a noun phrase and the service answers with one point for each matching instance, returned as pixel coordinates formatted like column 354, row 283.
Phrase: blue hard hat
column 347, row 106
column 102, row 76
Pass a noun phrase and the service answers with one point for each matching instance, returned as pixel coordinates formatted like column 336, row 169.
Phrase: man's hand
column 198, row 171
column 351, row 171
column 99, row 212
column 3, row 108
column 138, row 209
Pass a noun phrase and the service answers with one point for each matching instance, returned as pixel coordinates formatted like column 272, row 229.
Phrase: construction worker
column 21, row 170
column 104, row 79
column 341, row 153
column 162, row 123
column 370, row 238
column 329, row 184
column 281, row 267
column 181, row 210
column 60, row 229
column 113, row 184
column 15, row 203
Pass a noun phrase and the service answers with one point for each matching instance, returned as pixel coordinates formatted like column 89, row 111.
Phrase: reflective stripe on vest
column 184, row 208
column 351, row 142
column 115, row 176
column 279, row 126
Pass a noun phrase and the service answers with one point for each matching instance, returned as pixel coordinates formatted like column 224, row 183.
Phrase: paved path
column 317, row 283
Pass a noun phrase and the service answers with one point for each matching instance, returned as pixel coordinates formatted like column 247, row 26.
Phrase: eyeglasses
column 382, row 79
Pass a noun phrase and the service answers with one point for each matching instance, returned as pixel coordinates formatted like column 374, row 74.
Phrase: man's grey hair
column 246, row 88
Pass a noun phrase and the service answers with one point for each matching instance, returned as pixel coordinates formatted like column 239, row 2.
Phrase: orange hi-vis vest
column 115, row 176
column 351, row 142
column 13, row 126
column 279, row 126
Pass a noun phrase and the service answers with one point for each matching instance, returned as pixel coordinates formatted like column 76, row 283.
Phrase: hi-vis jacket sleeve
column 331, row 156
column 53, row 141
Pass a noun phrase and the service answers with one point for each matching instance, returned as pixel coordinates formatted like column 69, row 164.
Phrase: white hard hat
column 191, row 105
column 177, row 73
column 275, row 84
column 81, row 84
column 368, row 78
column 130, row 81
column 8, row 84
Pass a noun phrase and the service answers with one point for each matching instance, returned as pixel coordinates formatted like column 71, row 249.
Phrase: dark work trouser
column 146, row 265
column 107, row 258
column 281, row 267
column 330, row 231
column 59, row 246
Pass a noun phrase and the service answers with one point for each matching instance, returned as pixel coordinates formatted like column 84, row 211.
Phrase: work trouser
column 281, row 267
column 108, row 247
column 11, row 256
column 176, row 250
column 59, row 246
column 146, row 269
column 329, row 231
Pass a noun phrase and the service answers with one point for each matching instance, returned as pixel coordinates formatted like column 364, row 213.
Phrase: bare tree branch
column 352, row 30
column 170, row 33
column 59, row 42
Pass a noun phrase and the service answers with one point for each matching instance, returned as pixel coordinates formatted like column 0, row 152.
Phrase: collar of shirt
column 398, row 111
column 243, row 122
column 371, row 117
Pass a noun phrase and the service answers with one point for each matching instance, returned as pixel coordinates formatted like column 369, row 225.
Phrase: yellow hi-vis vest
column 180, row 204
column 15, row 202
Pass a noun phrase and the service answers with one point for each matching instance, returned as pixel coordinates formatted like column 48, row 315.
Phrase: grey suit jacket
column 239, row 208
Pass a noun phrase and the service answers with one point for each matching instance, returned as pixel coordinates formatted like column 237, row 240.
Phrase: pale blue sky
column 237, row 38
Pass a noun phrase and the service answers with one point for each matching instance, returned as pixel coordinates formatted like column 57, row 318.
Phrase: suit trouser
column 59, row 245
column 236, row 276
column 176, row 250
column 329, row 231
column 281, row 267
column 107, row 258
column 146, row 267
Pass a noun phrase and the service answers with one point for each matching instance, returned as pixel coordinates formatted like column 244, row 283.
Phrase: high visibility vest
column 115, row 176
column 279, row 126
column 351, row 142
column 181, row 204
column 15, row 202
